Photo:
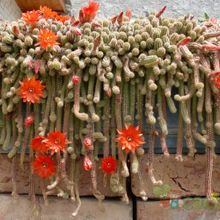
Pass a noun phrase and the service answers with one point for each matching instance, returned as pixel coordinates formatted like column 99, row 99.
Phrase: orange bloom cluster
column 31, row 90
column 62, row 18
column 215, row 78
column 38, row 144
column 130, row 138
column 88, row 13
column 47, row 38
column 47, row 12
column 44, row 166
column 55, row 142
column 45, row 147
column 31, row 17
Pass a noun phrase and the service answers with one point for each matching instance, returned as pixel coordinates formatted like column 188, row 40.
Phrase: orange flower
column 38, row 144
column 128, row 13
column 214, row 78
column 62, row 18
column 56, row 141
column 31, row 17
column 44, row 166
column 47, row 38
column 47, row 12
column 217, row 81
column 109, row 165
column 88, row 13
column 31, row 90
column 130, row 138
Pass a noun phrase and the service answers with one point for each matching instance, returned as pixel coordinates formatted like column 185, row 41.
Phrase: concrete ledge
column 187, row 209
column 21, row 209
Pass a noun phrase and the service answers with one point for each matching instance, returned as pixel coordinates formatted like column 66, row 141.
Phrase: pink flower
column 87, row 163
column 28, row 121
column 75, row 79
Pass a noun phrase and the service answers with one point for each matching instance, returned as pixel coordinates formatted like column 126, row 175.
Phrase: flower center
column 129, row 138
column 31, row 90
column 45, row 165
column 109, row 165
column 56, row 141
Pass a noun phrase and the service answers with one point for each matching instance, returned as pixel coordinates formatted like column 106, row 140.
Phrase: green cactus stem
column 124, row 169
column 112, row 128
column 13, row 150
column 210, row 142
column 96, row 98
column 106, row 126
column 44, row 123
column 25, row 140
column 132, row 96
column 139, row 107
column 31, row 175
column 151, row 141
column 179, row 143
column 76, row 106
column 197, row 136
column 57, row 180
column 77, row 170
column 66, row 124
column 8, row 132
column 162, row 122
column 190, row 143
column 53, row 116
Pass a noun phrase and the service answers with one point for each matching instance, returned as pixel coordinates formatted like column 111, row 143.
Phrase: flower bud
column 28, row 121
column 87, row 163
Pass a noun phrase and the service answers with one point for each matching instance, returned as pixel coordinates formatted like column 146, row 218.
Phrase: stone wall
column 9, row 10
column 175, row 7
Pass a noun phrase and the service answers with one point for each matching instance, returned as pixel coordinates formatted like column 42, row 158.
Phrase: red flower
column 28, row 121
column 75, row 79
column 213, row 20
column 161, row 11
column 184, row 41
column 77, row 31
column 31, row 17
column 211, row 47
column 88, row 13
column 44, row 166
column 128, row 13
column 56, row 141
column 31, row 90
column 130, row 138
column 87, row 142
column 62, row 18
column 215, row 78
column 47, row 12
column 47, row 38
column 109, row 165
column 39, row 145
column 87, row 163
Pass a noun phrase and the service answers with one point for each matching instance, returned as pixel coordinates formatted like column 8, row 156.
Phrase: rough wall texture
column 9, row 10
column 175, row 7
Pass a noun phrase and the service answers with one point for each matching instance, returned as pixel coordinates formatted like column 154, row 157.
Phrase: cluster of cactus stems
column 130, row 73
